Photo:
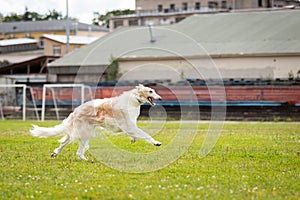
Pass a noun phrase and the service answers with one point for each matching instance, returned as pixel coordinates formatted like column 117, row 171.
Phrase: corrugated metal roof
column 276, row 32
column 73, row 39
column 17, row 41
column 49, row 25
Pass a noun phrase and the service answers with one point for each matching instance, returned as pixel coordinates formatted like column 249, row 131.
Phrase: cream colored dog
column 116, row 114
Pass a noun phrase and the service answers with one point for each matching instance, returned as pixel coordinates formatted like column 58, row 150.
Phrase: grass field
column 249, row 161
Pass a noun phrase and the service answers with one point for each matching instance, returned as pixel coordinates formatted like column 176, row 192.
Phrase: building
column 19, row 50
column 287, row 3
column 55, row 45
column 36, row 29
column 17, row 45
column 30, row 72
column 173, row 11
column 246, row 45
column 185, row 5
column 22, row 44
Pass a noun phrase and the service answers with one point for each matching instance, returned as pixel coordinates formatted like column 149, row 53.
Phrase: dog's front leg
column 140, row 134
column 137, row 133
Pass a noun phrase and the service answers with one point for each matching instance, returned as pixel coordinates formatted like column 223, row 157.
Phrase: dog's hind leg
column 63, row 142
column 83, row 146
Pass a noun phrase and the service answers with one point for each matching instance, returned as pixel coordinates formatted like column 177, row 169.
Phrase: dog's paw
column 133, row 140
column 157, row 143
column 83, row 158
column 53, row 155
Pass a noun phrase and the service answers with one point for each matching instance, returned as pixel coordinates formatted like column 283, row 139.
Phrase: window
column 160, row 8
column 172, row 7
column 164, row 21
column 224, row 4
column 184, row 6
column 178, row 19
column 56, row 50
column 41, row 42
column 197, row 6
column 213, row 4
column 133, row 22
column 118, row 23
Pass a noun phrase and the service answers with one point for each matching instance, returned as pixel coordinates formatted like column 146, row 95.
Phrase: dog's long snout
column 158, row 97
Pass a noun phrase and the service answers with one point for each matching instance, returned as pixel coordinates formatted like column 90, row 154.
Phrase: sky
column 80, row 9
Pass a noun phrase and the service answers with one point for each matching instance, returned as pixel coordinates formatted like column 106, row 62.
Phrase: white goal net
column 62, row 98
column 15, row 102
column 12, row 101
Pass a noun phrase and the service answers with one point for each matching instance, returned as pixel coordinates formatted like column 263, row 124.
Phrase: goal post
column 23, row 86
column 51, row 88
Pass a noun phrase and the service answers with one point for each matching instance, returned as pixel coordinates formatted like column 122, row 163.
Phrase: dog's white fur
column 116, row 114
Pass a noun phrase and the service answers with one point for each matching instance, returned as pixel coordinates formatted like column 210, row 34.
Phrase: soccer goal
column 16, row 99
column 12, row 99
column 60, row 97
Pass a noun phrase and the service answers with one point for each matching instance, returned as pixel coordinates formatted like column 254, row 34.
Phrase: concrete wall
column 267, row 67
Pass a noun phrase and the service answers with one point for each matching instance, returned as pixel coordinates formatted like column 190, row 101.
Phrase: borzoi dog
column 118, row 113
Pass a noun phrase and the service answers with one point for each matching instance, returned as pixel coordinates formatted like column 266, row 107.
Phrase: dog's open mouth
column 151, row 101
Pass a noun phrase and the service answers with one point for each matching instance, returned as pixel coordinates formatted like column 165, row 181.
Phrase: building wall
column 147, row 11
column 239, row 4
column 35, row 35
column 154, row 20
column 39, row 35
column 267, row 67
column 49, row 45
column 18, row 48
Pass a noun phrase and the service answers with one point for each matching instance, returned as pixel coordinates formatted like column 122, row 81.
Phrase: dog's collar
column 140, row 101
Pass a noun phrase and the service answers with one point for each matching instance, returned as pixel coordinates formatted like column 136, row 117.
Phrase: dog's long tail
column 45, row 132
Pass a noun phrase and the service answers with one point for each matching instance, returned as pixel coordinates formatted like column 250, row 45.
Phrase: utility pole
column 67, row 28
column 233, row 5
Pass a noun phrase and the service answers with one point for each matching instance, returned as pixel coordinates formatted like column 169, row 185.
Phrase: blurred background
column 188, row 50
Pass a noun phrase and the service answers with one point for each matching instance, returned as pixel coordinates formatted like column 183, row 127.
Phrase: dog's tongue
column 150, row 99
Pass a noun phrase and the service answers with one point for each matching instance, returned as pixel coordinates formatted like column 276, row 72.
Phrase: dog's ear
column 139, row 87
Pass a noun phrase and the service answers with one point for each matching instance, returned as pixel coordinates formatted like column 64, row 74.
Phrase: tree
column 53, row 14
column 1, row 18
column 112, row 70
column 13, row 17
column 32, row 16
column 103, row 20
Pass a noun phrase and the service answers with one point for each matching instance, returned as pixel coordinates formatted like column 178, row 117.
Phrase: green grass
column 249, row 161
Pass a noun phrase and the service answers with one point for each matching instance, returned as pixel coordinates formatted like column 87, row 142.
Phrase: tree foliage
column 32, row 16
column 112, row 70
column 103, row 20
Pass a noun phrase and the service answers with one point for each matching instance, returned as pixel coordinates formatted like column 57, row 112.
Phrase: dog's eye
column 150, row 91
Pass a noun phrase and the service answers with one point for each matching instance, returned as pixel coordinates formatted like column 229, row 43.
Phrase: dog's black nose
column 159, row 99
